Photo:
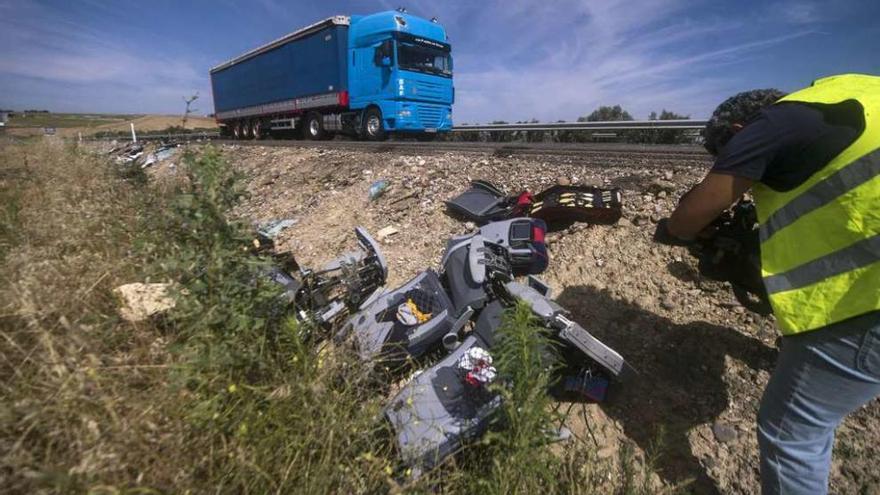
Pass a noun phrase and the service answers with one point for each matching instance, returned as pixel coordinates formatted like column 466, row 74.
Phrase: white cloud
column 51, row 51
column 642, row 54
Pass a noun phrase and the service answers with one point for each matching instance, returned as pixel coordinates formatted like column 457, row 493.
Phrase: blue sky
column 514, row 59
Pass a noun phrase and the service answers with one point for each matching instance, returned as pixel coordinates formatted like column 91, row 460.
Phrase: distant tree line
column 601, row 114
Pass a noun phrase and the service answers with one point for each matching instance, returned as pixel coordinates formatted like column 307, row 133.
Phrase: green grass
column 61, row 120
column 226, row 393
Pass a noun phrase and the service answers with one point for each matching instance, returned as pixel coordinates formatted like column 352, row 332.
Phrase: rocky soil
column 703, row 360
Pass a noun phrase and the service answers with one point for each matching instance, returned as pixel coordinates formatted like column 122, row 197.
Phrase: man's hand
column 662, row 235
column 702, row 204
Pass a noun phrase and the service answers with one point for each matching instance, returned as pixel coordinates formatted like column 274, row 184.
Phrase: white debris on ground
column 142, row 301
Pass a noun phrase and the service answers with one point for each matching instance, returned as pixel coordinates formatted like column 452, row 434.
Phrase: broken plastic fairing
column 439, row 410
column 327, row 296
column 385, row 329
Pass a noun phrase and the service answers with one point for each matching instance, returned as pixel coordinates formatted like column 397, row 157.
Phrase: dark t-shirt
column 786, row 143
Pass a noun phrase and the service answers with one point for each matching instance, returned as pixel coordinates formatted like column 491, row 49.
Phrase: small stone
column 386, row 232
column 661, row 194
column 724, row 433
column 658, row 185
column 470, row 226
column 668, row 175
column 600, row 262
column 606, row 452
column 667, row 304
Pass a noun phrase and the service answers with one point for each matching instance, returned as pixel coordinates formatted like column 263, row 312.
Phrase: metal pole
column 134, row 137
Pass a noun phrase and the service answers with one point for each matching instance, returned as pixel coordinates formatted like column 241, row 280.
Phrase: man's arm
column 702, row 204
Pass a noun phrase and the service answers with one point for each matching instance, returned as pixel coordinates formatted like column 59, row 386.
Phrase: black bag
column 557, row 205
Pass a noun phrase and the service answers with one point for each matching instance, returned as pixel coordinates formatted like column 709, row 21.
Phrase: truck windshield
column 424, row 59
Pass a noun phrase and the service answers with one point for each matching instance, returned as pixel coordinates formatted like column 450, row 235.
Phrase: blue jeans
column 821, row 377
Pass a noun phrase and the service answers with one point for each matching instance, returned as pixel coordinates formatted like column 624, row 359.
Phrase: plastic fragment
column 378, row 188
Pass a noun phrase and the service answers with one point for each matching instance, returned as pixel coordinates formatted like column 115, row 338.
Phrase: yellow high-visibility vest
column 820, row 242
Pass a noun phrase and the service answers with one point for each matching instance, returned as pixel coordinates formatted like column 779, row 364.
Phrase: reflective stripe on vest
column 820, row 242
column 860, row 254
column 848, row 178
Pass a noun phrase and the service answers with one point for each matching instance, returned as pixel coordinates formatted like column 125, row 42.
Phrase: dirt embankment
column 703, row 360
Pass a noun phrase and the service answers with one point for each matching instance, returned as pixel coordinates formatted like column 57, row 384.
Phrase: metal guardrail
column 619, row 125
column 596, row 126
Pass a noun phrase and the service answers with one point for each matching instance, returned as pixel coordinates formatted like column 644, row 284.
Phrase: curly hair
column 737, row 109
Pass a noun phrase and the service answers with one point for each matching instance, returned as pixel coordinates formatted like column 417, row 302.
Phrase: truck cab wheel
column 372, row 125
column 314, row 128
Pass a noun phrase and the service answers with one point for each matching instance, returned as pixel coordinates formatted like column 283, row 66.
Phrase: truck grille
column 430, row 116
column 430, row 91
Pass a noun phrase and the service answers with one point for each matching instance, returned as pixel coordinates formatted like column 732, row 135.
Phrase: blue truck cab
column 360, row 75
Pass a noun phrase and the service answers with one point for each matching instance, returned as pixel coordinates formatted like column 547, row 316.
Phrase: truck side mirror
column 386, row 62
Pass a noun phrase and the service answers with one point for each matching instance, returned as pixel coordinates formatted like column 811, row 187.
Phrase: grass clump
column 256, row 387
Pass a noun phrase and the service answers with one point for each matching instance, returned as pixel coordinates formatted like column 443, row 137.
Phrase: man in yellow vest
column 812, row 160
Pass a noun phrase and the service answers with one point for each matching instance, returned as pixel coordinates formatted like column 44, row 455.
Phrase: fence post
column 134, row 138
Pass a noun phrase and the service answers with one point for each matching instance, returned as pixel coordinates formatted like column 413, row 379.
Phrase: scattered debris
column 378, row 188
column 136, row 153
column 621, row 299
column 558, row 205
column 272, row 228
column 326, row 296
column 166, row 152
column 476, row 366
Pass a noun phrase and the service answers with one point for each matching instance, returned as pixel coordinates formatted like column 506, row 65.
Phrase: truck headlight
column 405, row 113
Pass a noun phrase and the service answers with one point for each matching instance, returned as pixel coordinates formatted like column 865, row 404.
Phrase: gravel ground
column 703, row 360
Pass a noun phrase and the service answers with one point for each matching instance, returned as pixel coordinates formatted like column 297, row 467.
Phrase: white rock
column 386, row 232
column 141, row 301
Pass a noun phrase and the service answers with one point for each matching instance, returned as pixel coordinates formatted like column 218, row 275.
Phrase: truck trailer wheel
column 372, row 125
column 238, row 130
column 256, row 130
column 314, row 128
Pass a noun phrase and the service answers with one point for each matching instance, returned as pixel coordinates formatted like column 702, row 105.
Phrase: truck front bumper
column 419, row 117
